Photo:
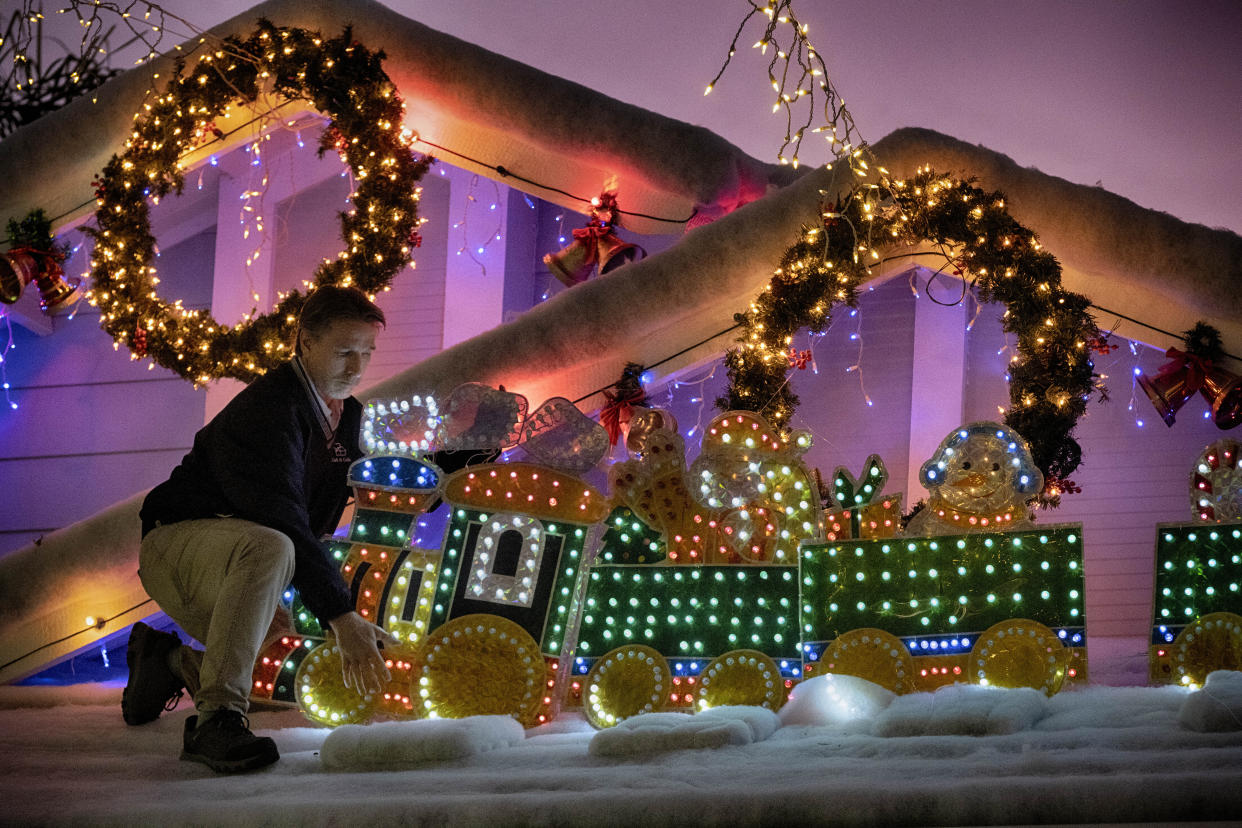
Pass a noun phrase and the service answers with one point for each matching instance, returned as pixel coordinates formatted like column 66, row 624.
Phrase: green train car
column 1197, row 605
column 1000, row 608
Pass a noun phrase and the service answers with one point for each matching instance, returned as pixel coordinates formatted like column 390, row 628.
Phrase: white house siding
column 93, row 426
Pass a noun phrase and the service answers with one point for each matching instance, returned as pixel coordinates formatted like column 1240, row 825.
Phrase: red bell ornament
column 1223, row 391
column 20, row 266
column 1168, row 391
column 594, row 245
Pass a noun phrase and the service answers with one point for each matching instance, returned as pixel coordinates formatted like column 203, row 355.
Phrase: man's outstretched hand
column 362, row 664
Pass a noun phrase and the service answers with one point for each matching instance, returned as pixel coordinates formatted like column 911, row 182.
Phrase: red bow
column 618, row 410
column 593, row 232
column 47, row 258
column 590, row 236
column 1196, row 367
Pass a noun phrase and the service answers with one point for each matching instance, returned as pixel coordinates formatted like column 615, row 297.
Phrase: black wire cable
column 505, row 172
column 218, row 139
column 1154, row 328
column 99, row 624
column 500, row 169
column 688, row 348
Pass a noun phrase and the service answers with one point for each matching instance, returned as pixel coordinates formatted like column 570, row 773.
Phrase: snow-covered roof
column 1139, row 262
column 480, row 104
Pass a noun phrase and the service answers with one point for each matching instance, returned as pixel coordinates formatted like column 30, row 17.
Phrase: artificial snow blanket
column 833, row 699
column 1103, row 755
column 390, row 745
column 1217, row 707
column 652, row 733
column 962, row 710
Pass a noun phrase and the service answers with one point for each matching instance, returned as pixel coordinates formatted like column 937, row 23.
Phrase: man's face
column 337, row 356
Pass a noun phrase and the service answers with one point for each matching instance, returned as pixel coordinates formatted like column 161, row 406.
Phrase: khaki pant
column 221, row 580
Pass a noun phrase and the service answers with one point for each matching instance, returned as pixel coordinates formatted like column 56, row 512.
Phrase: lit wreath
column 1050, row 379
column 341, row 79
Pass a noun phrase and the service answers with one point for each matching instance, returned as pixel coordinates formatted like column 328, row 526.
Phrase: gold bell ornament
column 595, row 245
column 573, row 264
column 613, row 252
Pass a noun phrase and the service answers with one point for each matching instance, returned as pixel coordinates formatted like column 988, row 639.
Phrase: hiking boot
column 225, row 744
column 153, row 687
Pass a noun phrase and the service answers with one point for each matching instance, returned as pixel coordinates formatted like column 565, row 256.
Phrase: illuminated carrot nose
column 969, row 480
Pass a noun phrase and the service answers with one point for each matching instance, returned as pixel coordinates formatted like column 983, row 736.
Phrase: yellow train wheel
column 399, row 698
column 871, row 654
column 746, row 677
column 1019, row 653
column 480, row 665
column 1213, row 642
column 629, row 680
column 321, row 691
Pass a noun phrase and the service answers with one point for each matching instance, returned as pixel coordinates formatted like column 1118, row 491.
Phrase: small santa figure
column 979, row 480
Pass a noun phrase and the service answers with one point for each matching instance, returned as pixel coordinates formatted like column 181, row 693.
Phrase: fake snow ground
column 842, row 751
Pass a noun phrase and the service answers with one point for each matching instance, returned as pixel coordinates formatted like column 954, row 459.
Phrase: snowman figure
column 979, row 480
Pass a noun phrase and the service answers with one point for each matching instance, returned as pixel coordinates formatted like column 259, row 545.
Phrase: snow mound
column 1095, row 706
column 833, row 699
column 1217, row 707
column 661, row 732
column 390, row 745
column 962, row 710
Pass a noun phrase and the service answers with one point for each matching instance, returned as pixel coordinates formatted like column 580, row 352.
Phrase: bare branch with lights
column 799, row 58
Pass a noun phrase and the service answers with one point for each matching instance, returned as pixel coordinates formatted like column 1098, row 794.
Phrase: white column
column 238, row 274
column 245, row 262
column 474, row 287
column 937, row 388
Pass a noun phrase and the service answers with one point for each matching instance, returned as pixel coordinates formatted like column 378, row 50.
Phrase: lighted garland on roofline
column 1051, row 377
column 341, row 79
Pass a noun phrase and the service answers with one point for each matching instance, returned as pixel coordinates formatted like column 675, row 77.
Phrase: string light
column 473, row 249
column 696, row 399
column 857, row 366
column 9, row 347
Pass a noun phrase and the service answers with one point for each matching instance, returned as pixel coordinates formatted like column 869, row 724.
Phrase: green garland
column 1052, row 377
column 339, row 78
column 35, row 232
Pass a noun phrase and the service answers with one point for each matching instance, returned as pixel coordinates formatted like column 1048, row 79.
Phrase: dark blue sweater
column 265, row 458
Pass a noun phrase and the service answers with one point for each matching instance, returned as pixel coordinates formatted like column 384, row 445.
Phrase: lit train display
column 547, row 593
